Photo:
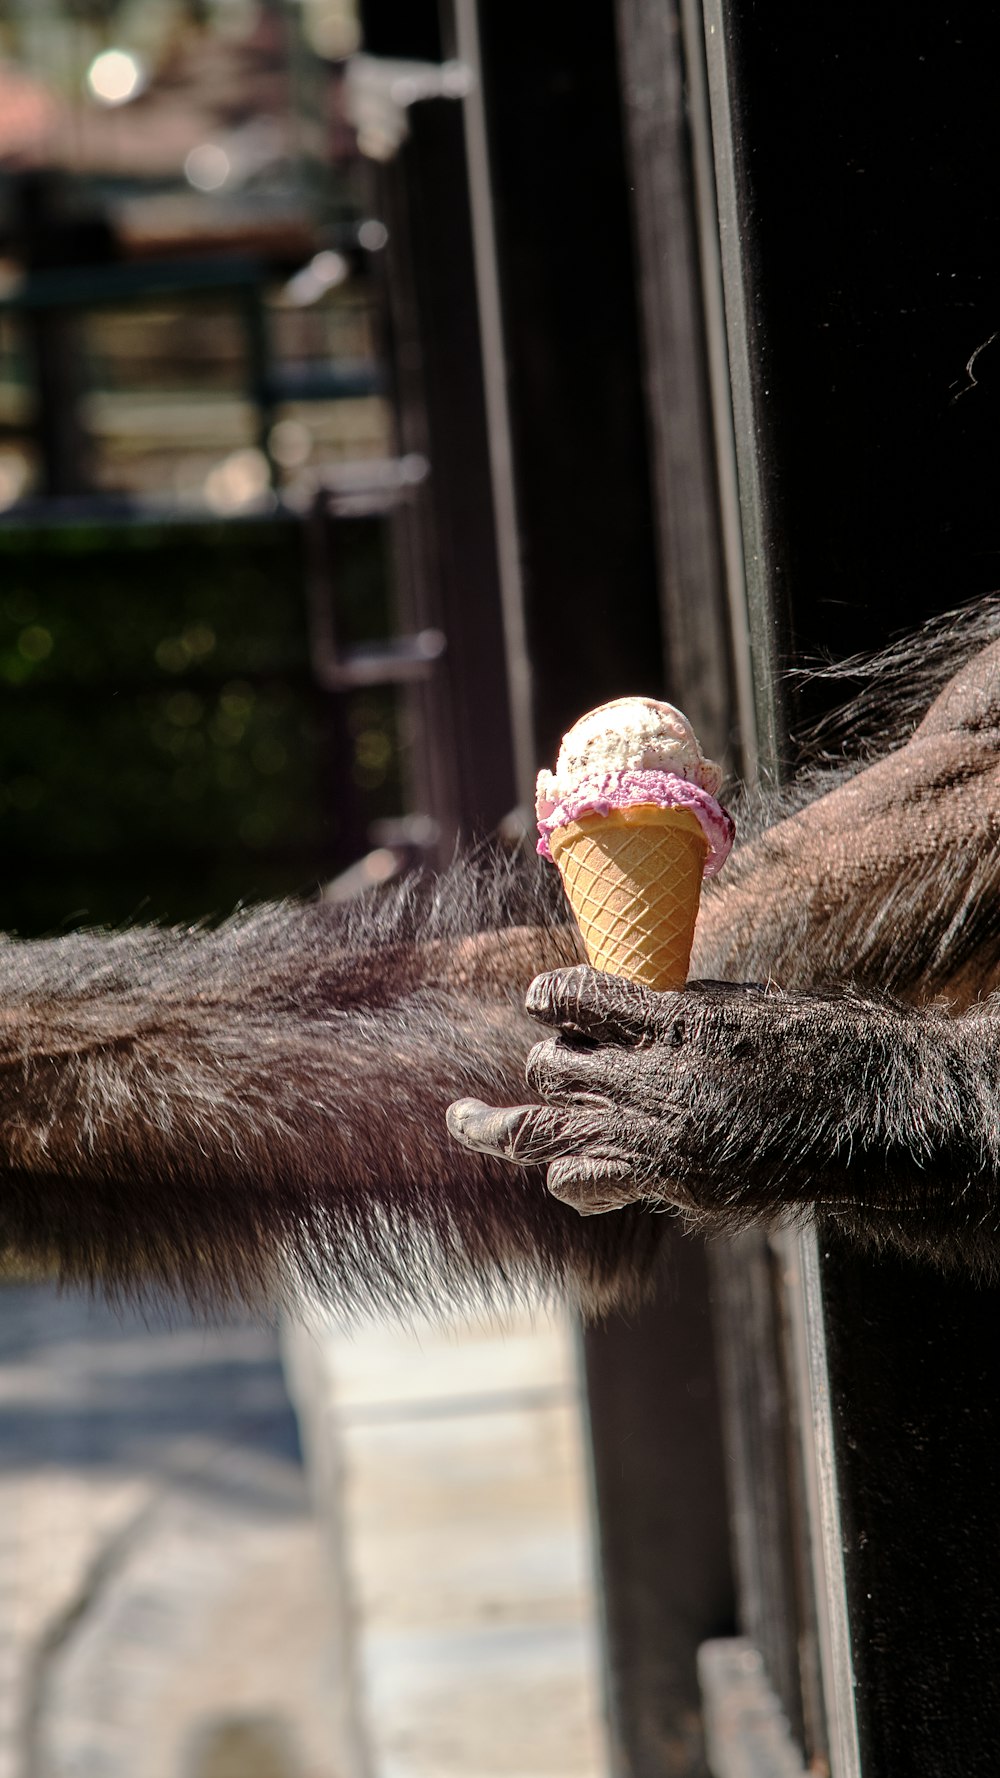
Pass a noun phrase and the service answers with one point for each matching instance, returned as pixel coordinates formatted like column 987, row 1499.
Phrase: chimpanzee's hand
column 727, row 1100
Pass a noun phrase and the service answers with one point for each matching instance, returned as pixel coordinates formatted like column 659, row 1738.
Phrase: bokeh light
column 241, row 480
column 207, row 167
column 115, row 76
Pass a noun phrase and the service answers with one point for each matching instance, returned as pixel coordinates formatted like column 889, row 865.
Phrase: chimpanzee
column 857, row 1074
column 234, row 1113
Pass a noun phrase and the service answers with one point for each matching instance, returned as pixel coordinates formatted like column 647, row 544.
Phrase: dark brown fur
column 889, row 878
column 229, row 1113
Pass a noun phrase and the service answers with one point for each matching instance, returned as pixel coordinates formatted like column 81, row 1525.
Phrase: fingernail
column 460, row 1114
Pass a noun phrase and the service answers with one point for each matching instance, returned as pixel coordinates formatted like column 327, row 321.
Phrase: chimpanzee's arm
column 222, row 1112
column 233, row 1112
column 891, row 880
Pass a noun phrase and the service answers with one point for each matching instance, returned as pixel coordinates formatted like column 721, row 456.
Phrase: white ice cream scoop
column 632, row 735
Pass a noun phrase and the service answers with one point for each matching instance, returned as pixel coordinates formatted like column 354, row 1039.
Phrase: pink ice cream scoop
column 632, row 752
column 623, row 790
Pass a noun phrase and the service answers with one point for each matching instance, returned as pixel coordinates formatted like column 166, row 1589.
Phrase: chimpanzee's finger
column 527, row 1134
column 592, row 1187
column 606, row 1008
column 566, row 1073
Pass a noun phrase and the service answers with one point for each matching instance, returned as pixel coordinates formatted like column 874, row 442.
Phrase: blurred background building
column 188, row 351
column 222, row 678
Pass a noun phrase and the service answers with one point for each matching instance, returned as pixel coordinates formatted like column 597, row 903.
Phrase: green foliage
column 164, row 750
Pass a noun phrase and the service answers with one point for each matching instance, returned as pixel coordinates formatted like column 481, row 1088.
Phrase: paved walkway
column 171, row 1607
column 455, row 1479
column 164, row 1607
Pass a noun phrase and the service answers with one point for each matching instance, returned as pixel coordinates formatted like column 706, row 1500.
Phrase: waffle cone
column 633, row 879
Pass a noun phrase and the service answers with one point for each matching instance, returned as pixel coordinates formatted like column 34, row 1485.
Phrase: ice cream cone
column 633, row 878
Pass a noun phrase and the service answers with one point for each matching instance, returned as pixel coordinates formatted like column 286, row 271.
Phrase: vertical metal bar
column 759, row 568
column 448, row 575
column 519, row 685
column 804, row 1301
column 699, row 122
column 553, row 108
column 55, row 350
column 811, row 1378
column 675, row 379
column 259, row 370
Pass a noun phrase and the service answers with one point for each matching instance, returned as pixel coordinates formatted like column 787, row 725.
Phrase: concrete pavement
column 162, row 1581
column 171, row 1605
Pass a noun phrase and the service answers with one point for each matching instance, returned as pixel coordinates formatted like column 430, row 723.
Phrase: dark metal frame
column 726, row 455
column 599, row 608
column 887, row 1386
column 447, row 572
